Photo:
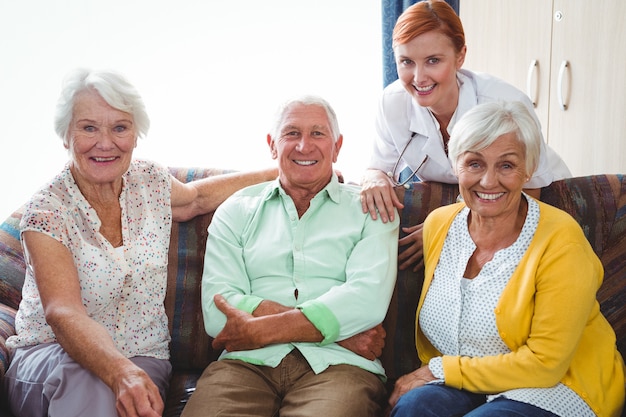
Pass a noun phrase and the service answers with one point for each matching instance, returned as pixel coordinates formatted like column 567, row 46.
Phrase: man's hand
column 407, row 382
column 239, row 332
column 368, row 344
column 414, row 253
column 136, row 395
column 377, row 192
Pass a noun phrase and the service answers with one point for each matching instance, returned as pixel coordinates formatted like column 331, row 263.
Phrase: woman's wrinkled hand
column 378, row 196
column 405, row 383
column 136, row 395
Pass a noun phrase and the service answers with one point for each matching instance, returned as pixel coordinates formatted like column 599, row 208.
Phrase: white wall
column 211, row 73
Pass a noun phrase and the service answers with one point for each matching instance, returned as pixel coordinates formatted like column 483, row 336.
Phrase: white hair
column 307, row 100
column 484, row 123
column 112, row 87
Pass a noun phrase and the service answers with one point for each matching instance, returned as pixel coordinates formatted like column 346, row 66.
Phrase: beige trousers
column 292, row 389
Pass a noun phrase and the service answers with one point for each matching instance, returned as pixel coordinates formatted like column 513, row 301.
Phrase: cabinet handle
column 564, row 66
column 532, row 69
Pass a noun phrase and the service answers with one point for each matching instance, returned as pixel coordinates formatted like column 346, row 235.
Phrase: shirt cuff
column 249, row 303
column 436, row 367
column 322, row 318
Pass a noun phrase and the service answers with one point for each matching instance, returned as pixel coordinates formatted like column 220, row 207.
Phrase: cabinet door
column 511, row 40
column 590, row 133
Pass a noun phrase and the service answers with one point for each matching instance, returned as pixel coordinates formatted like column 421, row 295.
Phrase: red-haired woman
column 417, row 112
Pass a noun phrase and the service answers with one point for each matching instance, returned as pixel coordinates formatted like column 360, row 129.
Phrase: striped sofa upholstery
column 11, row 280
column 597, row 202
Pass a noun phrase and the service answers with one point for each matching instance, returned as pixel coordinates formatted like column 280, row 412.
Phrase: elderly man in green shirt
column 297, row 280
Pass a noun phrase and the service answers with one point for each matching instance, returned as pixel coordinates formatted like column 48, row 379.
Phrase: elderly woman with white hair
column 508, row 323
column 92, row 334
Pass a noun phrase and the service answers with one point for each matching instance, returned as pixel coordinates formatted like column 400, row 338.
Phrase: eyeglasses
column 392, row 174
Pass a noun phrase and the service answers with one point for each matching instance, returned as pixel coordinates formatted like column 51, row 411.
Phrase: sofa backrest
column 597, row 202
column 12, row 269
column 190, row 346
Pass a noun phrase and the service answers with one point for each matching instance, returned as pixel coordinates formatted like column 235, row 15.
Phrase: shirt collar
column 331, row 189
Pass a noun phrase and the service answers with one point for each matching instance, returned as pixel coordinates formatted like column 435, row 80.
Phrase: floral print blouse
column 122, row 288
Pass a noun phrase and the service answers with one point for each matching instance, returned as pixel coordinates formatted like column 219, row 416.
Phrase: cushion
column 12, row 267
column 7, row 328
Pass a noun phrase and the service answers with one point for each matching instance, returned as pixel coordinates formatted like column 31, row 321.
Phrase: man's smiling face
column 305, row 149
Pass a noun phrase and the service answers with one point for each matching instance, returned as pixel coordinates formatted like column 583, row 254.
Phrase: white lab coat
column 399, row 117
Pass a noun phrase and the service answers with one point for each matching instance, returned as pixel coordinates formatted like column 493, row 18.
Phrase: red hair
column 426, row 16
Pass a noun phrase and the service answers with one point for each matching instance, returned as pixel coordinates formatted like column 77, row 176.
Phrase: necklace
column 392, row 174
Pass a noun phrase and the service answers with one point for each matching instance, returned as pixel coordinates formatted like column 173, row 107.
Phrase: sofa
column 597, row 202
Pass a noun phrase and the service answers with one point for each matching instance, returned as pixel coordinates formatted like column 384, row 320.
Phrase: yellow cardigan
column 547, row 315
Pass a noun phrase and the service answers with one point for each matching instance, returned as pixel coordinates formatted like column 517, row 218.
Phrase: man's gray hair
column 306, row 100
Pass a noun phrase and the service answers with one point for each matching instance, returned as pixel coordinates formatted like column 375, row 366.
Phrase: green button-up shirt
column 335, row 264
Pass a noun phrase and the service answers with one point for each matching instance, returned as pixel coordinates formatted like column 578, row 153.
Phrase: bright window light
column 211, row 73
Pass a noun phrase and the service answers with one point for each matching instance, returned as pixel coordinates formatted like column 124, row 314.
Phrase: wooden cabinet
column 569, row 56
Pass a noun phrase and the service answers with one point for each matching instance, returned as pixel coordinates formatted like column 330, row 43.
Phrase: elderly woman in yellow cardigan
column 508, row 323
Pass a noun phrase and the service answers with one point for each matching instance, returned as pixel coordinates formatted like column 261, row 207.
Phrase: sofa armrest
column 7, row 328
column 12, row 266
